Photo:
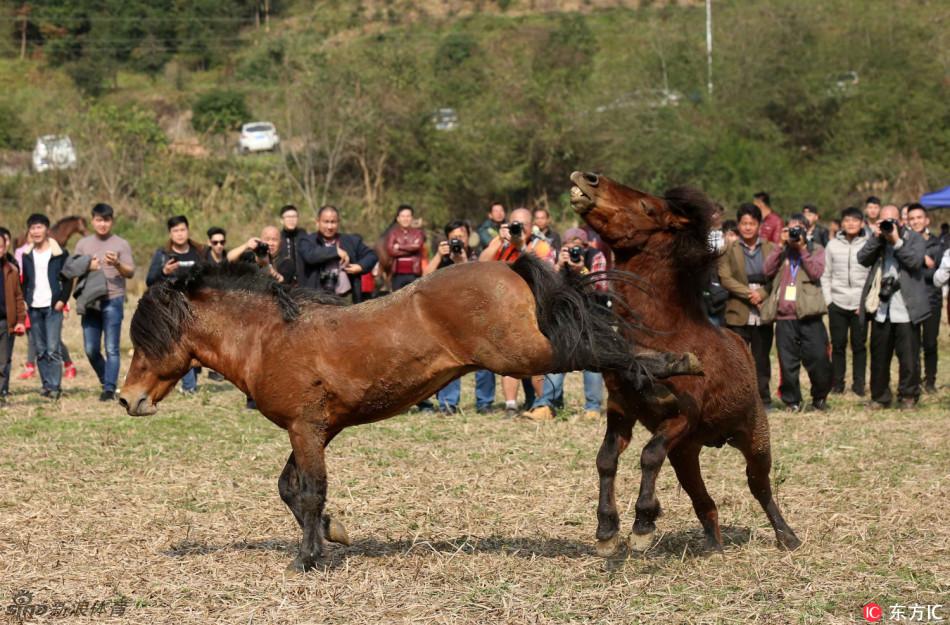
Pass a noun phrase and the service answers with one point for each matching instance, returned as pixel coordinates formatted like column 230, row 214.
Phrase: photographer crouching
column 895, row 296
column 576, row 255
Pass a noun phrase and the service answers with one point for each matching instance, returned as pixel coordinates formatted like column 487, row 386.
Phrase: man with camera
column 919, row 222
column 842, row 284
column 797, row 304
column 577, row 256
column 455, row 251
column 895, row 297
column 514, row 239
column 334, row 262
column 261, row 251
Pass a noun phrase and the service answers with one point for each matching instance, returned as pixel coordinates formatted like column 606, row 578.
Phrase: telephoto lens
column 888, row 225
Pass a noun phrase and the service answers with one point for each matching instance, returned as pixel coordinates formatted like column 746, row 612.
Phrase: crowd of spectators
column 879, row 269
column 875, row 271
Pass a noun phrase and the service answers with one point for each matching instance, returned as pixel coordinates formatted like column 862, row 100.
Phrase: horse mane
column 691, row 255
column 163, row 311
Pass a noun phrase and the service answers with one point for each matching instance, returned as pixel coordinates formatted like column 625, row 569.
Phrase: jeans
column 107, row 320
column 484, row 388
column 189, row 382
column 554, row 388
column 31, row 349
column 450, row 394
column 6, row 356
column 47, row 328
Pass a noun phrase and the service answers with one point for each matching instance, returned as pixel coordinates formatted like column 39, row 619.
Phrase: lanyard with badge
column 790, row 289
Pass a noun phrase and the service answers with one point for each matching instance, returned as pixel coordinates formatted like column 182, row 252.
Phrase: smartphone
column 186, row 263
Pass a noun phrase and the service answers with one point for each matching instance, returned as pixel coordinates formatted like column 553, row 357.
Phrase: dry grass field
column 470, row 519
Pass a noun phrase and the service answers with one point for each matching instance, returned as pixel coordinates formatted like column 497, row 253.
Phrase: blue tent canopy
column 937, row 199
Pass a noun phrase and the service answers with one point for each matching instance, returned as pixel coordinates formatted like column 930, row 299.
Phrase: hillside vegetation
column 815, row 102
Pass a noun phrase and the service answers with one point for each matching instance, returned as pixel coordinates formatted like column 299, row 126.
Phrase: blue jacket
column 61, row 287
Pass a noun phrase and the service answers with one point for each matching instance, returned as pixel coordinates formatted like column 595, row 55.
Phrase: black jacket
column 61, row 287
column 910, row 259
column 288, row 262
column 161, row 256
column 934, row 249
column 314, row 255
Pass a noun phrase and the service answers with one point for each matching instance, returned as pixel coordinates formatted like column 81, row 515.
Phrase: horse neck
column 224, row 332
column 658, row 300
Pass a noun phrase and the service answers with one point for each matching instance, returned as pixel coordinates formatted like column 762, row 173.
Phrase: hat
column 576, row 233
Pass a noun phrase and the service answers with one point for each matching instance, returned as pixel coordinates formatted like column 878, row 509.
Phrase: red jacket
column 407, row 259
column 16, row 306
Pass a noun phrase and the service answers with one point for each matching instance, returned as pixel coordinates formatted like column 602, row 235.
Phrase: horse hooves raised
column 336, row 533
column 641, row 542
column 609, row 546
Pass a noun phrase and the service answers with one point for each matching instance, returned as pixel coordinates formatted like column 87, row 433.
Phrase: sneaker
column 907, row 403
column 821, row 405
column 214, row 375
column 837, row 390
column 591, row 415
column 793, row 407
column 107, row 396
column 69, row 370
column 858, row 390
column 930, row 388
column 448, row 410
column 183, row 391
column 29, row 370
column 541, row 413
column 483, row 409
column 51, row 395
column 876, row 405
column 511, row 412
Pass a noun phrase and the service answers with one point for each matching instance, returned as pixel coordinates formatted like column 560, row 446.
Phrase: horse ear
column 687, row 206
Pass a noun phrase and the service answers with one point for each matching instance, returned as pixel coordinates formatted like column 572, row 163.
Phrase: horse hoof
column 609, row 546
column 336, row 533
column 693, row 365
column 788, row 542
column 712, row 547
column 641, row 542
column 298, row 567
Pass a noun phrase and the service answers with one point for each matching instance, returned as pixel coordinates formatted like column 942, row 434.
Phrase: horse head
column 627, row 218
column 162, row 355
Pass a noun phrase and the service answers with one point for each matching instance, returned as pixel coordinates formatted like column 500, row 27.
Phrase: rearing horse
column 314, row 367
column 664, row 240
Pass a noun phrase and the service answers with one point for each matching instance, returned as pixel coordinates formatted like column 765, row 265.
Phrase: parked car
column 258, row 137
column 445, row 119
column 643, row 98
column 53, row 152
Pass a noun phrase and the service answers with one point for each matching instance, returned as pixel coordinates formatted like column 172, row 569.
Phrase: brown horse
column 665, row 242
column 61, row 231
column 314, row 367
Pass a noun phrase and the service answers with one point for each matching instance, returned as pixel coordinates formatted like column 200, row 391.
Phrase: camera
column 261, row 250
column 456, row 246
column 889, row 286
column 796, row 233
column 516, row 229
column 575, row 252
column 888, row 225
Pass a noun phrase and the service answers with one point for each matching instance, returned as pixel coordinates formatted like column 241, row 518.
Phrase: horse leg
column 685, row 461
column 616, row 439
column 654, row 453
column 758, row 456
column 307, row 441
column 289, row 487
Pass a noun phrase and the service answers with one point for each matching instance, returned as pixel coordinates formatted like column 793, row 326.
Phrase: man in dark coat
column 288, row 261
column 334, row 262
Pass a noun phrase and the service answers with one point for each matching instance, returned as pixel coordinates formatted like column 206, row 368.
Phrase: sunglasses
column 217, row 242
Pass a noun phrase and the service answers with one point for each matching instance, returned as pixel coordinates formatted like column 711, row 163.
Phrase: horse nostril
column 592, row 179
column 124, row 403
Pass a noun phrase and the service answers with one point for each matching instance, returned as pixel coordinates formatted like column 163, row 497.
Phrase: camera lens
column 515, row 228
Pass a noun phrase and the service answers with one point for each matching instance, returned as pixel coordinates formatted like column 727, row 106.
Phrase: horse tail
column 582, row 329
